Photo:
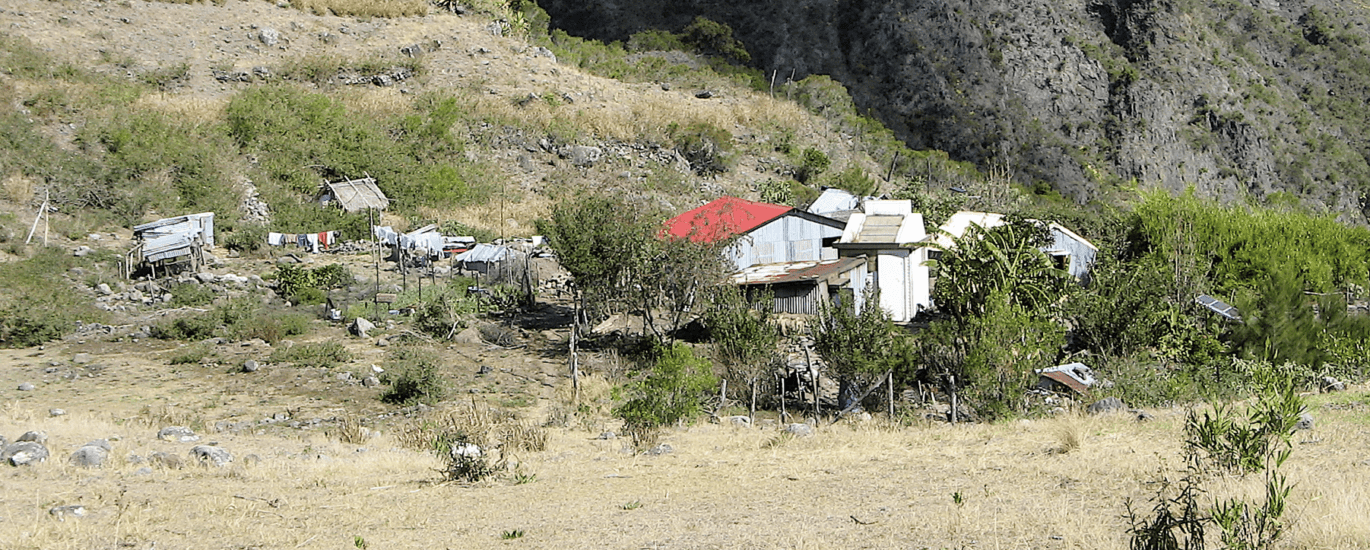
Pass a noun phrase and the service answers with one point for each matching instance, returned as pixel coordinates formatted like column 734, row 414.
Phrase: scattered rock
column 1106, row 405
column 64, row 512
column 89, row 456
column 205, row 277
column 144, row 471
column 799, row 430
column 468, row 336
column 101, row 443
column 250, row 366
column 104, row 289
column 180, row 434
column 23, row 453
column 26, row 387
column 608, row 435
column 360, row 327
column 1330, row 384
column 740, row 421
column 82, row 251
column 661, row 449
column 34, row 436
column 585, row 156
column 269, row 36
column 56, row 412
column 1305, row 422
column 164, row 460
column 1141, row 415
column 371, row 381
column 81, row 358
column 706, row 94
column 208, row 453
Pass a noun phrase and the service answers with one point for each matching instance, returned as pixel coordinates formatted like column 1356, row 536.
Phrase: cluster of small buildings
column 842, row 245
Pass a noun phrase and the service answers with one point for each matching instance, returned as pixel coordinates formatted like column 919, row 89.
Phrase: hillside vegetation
column 562, row 402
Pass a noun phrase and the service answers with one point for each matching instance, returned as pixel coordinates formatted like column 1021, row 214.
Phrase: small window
column 1062, row 261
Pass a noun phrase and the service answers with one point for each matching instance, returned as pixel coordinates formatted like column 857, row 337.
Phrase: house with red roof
column 762, row 233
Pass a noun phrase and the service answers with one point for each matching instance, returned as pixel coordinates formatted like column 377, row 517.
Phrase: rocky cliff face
column 1240, row 99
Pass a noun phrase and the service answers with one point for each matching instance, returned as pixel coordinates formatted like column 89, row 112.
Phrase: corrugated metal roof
column 960, row 222
column 879, row 229
column 794, row 272
column 483, row 253
column 723, row 218
column 834, row 200
column 1218, row 306
column 1075, row 376
column 358, row 195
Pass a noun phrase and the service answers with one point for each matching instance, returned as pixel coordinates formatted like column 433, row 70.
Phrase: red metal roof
column 723, row 218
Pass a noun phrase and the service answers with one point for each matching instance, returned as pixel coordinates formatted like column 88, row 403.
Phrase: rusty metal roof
column 795, row 272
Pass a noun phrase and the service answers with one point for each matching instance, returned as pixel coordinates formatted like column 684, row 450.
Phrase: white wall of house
column 784, row 239
column 900, row 273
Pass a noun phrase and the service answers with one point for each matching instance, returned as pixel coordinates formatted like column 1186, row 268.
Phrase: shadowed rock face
column 1082, row 95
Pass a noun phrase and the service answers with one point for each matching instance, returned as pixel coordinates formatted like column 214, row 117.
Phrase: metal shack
column 802, row 287
column 168, row 242
column 766, row 233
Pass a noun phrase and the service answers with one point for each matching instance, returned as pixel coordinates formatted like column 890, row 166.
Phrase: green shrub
column 37, row 304
column 812, row 163
column 321, row 354
column 194, row 327
column 188, row 294
column 417, row 379
column 270, row 327
column 246, row 238
column 191, row 355
column 707, row 147
column 674, row 390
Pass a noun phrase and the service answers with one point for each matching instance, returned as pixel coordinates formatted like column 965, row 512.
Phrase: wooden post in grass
column 722, row 396
column 575, row 359
column 781, row 386
column 891, row 395
column 953, row 400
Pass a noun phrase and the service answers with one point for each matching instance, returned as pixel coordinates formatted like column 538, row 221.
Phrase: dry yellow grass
column 851, row 485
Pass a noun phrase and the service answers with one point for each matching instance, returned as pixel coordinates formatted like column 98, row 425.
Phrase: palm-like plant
column 1008, row 258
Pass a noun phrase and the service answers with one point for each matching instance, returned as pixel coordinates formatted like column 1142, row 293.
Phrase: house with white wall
column 886, row 233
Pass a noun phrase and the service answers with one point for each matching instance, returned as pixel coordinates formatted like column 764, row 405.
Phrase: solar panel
column 1218, row 306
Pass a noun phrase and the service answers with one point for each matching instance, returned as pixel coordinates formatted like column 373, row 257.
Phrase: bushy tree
column 856, row 345
column 744, row 336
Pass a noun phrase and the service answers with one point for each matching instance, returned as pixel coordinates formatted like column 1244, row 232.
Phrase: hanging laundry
column 275, row 239
column 312, row 242
column 323, row 239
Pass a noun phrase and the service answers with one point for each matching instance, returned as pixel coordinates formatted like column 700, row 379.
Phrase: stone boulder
column 799, row 430
column 360, row 327
column 1305, row 422
column 179, row 434
column 24, row 453
column 34, row 436
column 1106, row 405
column 1330, row 384
column 89, row 456
column 208, row 454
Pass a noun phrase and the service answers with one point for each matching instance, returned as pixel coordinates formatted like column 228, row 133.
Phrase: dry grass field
column 1045, row 483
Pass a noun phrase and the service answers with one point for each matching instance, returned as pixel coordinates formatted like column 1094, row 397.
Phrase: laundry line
column 309, row 241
